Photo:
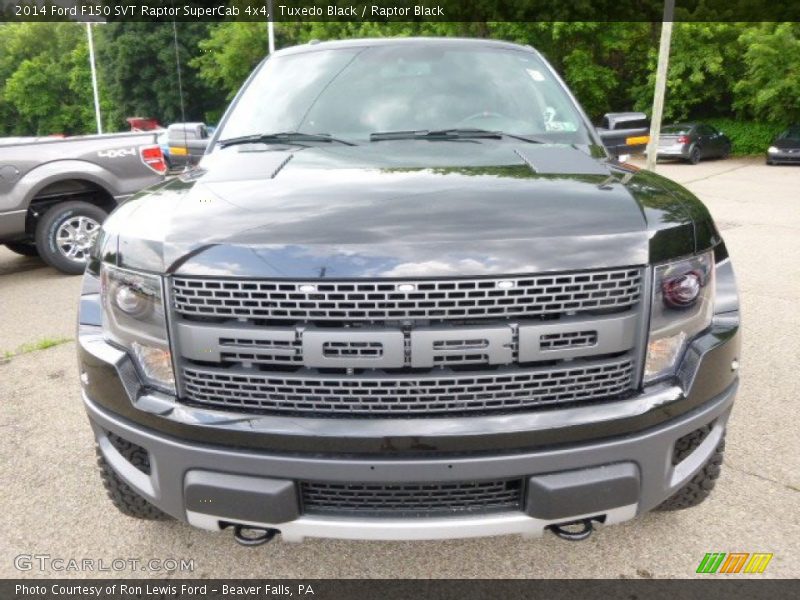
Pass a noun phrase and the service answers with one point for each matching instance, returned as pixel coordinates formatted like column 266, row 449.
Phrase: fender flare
column 38, row 178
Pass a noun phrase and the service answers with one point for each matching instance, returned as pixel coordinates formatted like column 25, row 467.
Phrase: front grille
column 446, row 299
column 247, row 350
column 352, row 349
column 571, row 339
column 377, row 395
column 411, row 499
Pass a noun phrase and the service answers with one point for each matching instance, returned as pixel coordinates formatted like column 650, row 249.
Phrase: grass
column 42, row 344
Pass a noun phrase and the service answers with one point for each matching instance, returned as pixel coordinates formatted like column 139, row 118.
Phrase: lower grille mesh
column 407, row 395
column 411, row 499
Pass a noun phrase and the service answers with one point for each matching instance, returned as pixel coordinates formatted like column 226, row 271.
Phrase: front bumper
column 174, row 464
column 784, row 158
column 240, row 459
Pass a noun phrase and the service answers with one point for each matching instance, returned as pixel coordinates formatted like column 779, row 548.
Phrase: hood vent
column 560, row 160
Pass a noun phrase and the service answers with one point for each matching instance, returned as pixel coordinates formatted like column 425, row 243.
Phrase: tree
column 229, row 53
column 770, row 87
column 140, row 72
column 705, row 62
column 44, row 75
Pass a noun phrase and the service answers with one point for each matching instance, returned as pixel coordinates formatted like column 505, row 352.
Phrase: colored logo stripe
column 711, row 562
column 714, row 562
column 758, row 562
column 734, row 562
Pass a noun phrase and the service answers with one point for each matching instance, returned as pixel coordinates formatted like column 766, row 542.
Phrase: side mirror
column 625, row 133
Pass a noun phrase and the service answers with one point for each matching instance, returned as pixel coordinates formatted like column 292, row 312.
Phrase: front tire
column 699, row 487
column 122, row 496
column 65, row 235
column 23, row 248
column 694, row 155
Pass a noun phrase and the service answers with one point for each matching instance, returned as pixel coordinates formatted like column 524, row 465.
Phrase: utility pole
column 94, row 79
column 270, row 27
column 661, row 83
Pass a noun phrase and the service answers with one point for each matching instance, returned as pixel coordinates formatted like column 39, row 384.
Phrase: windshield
column 350, row 93
column 793, row 133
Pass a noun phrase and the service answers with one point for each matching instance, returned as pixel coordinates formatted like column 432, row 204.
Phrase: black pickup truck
column 408, row 294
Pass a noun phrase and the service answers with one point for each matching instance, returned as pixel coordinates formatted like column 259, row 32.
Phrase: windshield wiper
column 286, row 137
column 450, row 134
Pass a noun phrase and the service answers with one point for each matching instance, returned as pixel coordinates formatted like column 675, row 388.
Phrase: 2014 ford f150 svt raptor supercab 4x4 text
column 407, row 294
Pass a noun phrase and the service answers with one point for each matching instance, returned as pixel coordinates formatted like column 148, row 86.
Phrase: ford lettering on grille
column 407, row 348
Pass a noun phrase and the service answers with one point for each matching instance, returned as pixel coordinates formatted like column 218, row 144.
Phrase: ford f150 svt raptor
column 408, row 294
column 55, row 193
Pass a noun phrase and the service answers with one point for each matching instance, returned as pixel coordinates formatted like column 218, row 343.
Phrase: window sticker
column 535, row 75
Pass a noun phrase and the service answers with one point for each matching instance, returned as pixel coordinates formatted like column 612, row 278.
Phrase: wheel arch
column 64, row 189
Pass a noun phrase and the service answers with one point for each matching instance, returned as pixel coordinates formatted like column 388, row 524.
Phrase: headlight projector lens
column 682, row 291
column 130, row 300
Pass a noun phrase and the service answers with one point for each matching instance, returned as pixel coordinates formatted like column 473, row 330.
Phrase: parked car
column 409, row 295
column 786, row 148
column 693, row 142
column 55, row 193
column 187, row 143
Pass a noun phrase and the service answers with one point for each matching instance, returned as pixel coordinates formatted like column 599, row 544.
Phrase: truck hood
column 401, row 209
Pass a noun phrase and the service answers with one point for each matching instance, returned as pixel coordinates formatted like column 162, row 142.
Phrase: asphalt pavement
column 54, row 505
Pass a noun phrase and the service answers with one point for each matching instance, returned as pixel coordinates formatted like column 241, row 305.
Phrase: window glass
column 353, row 92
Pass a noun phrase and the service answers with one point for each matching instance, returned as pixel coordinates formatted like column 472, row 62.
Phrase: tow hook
column 253, row 536
column 574, row 531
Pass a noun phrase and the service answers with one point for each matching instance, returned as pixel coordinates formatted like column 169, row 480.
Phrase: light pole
column 661, row 84
column 94, row 79
column 270, row 28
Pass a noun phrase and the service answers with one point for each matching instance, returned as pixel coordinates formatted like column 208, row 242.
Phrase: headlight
column 134, row 318
column 682, row 307
column 772, row 150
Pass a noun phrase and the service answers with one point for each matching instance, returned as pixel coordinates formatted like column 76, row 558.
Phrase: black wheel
column 726, row 152
column 65, row 235
column 700, row 486
column 694, row 155
column 23, row 248
column 127, row 501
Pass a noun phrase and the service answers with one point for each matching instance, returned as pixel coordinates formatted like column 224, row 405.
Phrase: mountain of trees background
column 729, row 73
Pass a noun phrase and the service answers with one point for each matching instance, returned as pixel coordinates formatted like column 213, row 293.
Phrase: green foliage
column 747, row 137
column 42, row 344
column 229, row 53
column 44, row 79
column 705, row 62
column 138, row 66
column 770, row 86
column 717, row 70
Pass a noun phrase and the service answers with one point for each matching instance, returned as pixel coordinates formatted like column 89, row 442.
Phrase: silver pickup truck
column 55, row 192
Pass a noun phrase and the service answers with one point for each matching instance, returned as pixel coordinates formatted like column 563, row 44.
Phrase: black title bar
column 397, row 10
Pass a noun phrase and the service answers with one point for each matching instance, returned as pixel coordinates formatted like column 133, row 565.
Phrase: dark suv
column 407, row 294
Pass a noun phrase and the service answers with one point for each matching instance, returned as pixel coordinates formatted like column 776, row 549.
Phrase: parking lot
column 54, row 504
